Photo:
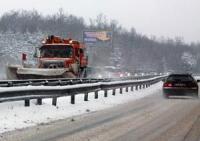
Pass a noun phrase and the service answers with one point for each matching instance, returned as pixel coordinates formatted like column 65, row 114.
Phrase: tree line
column 138, row 52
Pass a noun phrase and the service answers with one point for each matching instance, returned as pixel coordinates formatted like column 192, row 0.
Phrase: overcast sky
column 168, row 18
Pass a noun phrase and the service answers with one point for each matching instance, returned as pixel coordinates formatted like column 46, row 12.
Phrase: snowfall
column 13, row 115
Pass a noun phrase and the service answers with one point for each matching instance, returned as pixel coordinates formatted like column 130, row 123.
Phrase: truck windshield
column 58, row 51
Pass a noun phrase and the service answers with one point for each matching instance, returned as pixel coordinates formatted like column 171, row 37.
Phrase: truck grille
column 53, row 64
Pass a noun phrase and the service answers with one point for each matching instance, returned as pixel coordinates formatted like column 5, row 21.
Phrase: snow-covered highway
column 13, row 115
column 143, row 115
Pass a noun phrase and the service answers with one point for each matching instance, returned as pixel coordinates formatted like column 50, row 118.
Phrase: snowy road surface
column 14, row 115
column 151, row 118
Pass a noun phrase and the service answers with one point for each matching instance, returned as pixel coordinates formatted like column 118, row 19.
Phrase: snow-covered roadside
column 197, row 77
column 14, row 115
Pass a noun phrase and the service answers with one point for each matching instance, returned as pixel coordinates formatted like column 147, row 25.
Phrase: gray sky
column 168, row 18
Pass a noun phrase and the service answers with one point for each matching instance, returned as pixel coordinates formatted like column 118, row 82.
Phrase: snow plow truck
column 56, row 58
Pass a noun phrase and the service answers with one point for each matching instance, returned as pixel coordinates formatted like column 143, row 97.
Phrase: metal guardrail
column 93, row 85
column 63, row 81
column 46, row 82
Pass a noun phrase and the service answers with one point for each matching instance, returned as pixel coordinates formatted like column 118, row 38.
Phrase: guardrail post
column 140, row 87
column 96, row 95
column 54, row 101
column 39, row 101
column 121, row 90
column 86, row 97
column 27, row 102
column 126, row 89
column 144, row 85
column 106, row 93
column 73, row 99
column 136, row 87
column 132, row 88
column 114, row 92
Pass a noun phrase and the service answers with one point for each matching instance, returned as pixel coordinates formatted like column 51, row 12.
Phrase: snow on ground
column 13, row 115
column 197, row 77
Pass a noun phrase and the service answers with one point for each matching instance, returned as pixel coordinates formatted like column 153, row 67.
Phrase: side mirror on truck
column 36, row 53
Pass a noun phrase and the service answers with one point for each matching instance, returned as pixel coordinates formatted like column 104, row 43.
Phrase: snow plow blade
column 19, row 72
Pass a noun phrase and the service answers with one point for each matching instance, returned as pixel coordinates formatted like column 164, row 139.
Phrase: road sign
column 97, row 38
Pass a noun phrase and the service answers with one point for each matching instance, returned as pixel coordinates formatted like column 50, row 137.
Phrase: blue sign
column 97, row 37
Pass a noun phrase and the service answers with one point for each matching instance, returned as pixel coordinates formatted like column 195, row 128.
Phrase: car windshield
column 58, row 51
column 180, row 78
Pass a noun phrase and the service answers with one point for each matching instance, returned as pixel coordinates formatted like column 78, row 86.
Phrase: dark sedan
column 180, row 85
